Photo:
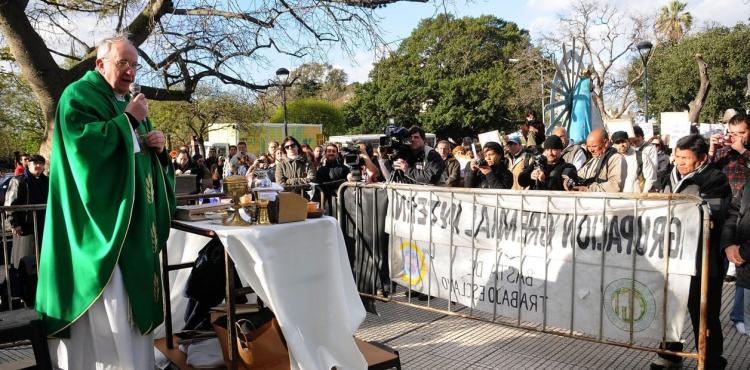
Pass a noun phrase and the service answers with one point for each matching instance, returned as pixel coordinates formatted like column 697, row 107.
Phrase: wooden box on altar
column 288, row 207
column 184, row 184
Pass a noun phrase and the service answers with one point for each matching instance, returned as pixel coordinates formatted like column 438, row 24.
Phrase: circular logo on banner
column 617, row 304
column 412, row 258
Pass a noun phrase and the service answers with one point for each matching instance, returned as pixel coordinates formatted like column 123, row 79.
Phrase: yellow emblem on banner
column 414, row 267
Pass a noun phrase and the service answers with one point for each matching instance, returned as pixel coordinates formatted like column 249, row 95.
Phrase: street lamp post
column 644, row 49
column 283, row 74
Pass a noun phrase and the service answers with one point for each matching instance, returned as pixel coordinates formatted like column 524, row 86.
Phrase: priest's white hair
column 105, row 45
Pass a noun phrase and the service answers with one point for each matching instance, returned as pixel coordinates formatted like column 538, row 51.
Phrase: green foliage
column 673, row 22
column 183, row 120
column 673, row 79
column 21, row 120
column 313, row 111
column 450, row 76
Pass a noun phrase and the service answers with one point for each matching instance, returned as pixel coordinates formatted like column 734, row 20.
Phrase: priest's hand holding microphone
column 138, row 108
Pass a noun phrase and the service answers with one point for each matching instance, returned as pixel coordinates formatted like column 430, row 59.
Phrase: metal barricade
column 355, row 225
column 12, row 300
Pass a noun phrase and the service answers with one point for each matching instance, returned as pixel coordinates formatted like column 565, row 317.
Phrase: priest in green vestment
column 111, row 199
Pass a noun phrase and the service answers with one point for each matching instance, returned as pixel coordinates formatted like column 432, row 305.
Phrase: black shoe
column 661, row 363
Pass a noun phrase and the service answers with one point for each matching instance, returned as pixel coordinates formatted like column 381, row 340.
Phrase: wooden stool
column 378, row 355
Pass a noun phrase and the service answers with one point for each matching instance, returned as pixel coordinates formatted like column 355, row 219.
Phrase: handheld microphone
column 135, row 89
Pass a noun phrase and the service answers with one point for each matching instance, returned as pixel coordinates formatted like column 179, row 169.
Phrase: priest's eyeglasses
column 123, row 65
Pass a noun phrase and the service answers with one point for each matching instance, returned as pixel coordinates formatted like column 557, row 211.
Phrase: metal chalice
column 235, row 186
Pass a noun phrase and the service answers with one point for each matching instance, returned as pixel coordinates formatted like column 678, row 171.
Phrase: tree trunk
column 697, row 104
column 597, row 90
column 45, row 77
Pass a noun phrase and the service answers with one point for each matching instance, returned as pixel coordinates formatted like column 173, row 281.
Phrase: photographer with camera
column 549, row 171
column 489, row 172
column 332, row 172
column 366, row 170
column 605, row 170
column 263, row 163
column 404, row 157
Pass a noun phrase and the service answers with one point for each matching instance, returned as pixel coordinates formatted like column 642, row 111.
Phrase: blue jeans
column 737, row 314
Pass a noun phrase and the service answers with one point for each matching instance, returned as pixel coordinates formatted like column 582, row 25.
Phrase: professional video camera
column 396, row 143
column 350, row 154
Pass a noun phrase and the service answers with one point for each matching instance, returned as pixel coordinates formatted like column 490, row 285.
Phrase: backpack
column 573, row 150
column 608, row 153
column 743, row 202
column 639, row 170
column 4, row 184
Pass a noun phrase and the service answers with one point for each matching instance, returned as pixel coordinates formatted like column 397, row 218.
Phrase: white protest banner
column 708, row 129
column 648, row 130
column 674, row 125
column 497, row 259
column 619, row 125
column 486, row 137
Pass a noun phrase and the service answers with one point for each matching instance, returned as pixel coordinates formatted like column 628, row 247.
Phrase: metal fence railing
column 411, row 244
column 362, row 211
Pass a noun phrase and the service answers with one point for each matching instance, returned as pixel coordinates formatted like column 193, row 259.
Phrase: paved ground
column 429, row 340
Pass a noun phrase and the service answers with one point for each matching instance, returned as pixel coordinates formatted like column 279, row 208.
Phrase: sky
column 536, row 16
column 400, row 19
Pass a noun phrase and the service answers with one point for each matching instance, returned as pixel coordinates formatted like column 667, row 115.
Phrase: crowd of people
column 109, row 198
column 714, row 168
column 526, row 159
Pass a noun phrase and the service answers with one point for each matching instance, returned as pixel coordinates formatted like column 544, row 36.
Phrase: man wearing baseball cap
column 518, row 159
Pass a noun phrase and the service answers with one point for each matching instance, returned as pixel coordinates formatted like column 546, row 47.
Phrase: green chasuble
column 107, row 205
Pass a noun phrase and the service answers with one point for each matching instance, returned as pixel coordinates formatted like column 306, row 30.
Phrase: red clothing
column 19, row 170
column 734, row 165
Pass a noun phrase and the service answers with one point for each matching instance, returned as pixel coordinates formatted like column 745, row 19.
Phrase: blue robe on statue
column 580, row 115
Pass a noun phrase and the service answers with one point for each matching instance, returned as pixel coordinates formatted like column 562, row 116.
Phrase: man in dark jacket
column 331, row 174
column 492, row 173
column 549, row 171
column 425, row 166
column 735, row 240
column 692, row 175
column 31, row 187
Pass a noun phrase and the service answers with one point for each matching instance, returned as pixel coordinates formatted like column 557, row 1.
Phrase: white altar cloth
column 301, row 271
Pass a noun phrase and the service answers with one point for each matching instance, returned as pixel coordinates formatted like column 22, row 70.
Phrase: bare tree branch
column 370, row 3
column 224, row 14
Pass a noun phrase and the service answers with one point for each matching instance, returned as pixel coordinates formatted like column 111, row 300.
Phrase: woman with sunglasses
column 295, row 169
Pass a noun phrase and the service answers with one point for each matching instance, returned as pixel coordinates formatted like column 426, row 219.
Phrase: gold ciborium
column 235, row 186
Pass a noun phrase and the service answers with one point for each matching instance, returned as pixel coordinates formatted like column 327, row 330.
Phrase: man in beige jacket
column 605, row 170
